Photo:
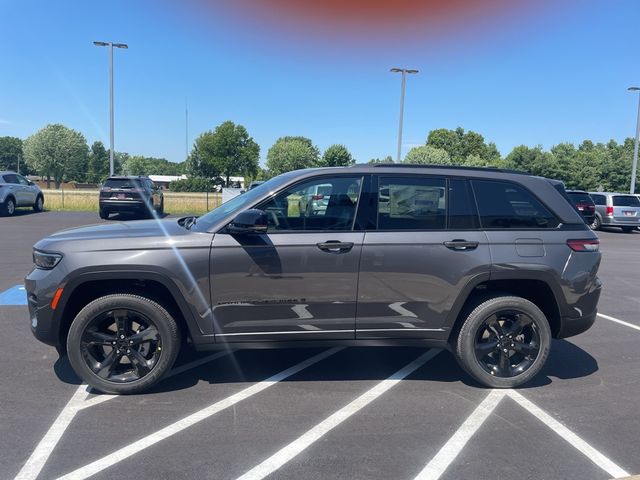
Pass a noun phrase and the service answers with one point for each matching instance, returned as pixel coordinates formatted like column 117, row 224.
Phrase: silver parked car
column 17, row 191
column 616, row 210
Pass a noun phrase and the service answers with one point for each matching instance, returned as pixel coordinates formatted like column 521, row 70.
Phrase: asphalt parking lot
column 387, row 413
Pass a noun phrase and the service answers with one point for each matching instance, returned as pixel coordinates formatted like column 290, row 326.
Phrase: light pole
column 634, row 165
column 111, row 45
column 404, row 72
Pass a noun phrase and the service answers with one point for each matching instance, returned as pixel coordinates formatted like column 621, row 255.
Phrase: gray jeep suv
column 487, row 263
column 16, row 191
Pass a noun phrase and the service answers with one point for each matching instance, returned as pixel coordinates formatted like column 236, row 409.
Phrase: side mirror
column 249, row 221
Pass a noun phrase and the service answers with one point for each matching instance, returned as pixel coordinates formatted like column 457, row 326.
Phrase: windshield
column 237, row 204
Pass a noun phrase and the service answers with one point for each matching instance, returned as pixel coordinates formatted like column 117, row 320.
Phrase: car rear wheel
column 8, row 208
column 103, row 213
column 504, row 342
column 122, row 343
column 39, row 205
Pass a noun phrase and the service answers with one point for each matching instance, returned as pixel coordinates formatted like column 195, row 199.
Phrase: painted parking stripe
column 176, row 427
column 578, row 443
column 447, row 454
column 31, row 469
column 14, row 296
column 290, row 451
column 103, row 397
column 621, row 322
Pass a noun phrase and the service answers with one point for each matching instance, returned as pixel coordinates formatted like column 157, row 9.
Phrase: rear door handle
column 459, row 244
column 335, row 246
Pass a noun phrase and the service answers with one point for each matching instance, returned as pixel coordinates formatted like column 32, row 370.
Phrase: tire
column 488, row 370
column 103, row 213
column 39, row 205
column 8, row 208
column 597, row 224
column 628, row 229
column 137, row 365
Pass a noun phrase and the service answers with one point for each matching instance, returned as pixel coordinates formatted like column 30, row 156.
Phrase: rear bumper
column 619, row 222
column 123, row 205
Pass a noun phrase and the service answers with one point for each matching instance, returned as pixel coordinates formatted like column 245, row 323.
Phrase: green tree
column 291, row 153
column 337, row 156
column 460, row 144
column 227, row 151
column 10, row 153
column 54, row 147
column 427, row 154
column 98, row 163
column 386, row 159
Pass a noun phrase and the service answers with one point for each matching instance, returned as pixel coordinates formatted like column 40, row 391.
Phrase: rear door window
column 411, row 203
column 461, row 211
column 625, row 201
column 505, row 205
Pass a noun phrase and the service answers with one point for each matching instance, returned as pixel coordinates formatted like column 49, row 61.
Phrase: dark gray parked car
column 16, row 191
column 131, row 194
column 487, row 263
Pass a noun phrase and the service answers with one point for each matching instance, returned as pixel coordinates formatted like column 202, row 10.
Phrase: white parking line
column 101, row 398
column 31, row 469
column 621, row 322
column 290, row 451
column 578, row 443
column 180, row 425
column 447, row 454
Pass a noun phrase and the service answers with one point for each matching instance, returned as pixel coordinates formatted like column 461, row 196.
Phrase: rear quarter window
column 505, row 205
column 625, row 201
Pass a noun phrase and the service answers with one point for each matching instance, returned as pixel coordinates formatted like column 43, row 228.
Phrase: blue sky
column 544, row 75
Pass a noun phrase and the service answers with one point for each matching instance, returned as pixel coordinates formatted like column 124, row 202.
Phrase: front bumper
column 41, row 286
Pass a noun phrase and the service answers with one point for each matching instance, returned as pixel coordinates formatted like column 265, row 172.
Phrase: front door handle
column 335, row 246
column 459, row 244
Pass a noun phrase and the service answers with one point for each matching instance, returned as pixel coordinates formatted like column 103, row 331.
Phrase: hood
column 114, row 236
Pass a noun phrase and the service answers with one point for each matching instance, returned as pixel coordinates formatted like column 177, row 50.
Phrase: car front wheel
column 39, row 205
column 597, row 224
column 504, row 342
column 122, row 343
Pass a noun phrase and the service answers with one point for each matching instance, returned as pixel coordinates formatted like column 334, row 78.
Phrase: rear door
column 424, row 247
column 299, row 280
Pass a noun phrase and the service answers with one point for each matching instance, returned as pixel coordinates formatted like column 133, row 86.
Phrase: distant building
column 163, row 181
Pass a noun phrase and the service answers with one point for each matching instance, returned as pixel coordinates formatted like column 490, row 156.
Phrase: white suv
column 17, row 191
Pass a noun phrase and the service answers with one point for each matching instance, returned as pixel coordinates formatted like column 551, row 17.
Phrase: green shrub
column 192, row 184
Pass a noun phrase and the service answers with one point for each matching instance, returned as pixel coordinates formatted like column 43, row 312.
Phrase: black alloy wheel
column 121, row 345
column 507, row 343
column 503, row 342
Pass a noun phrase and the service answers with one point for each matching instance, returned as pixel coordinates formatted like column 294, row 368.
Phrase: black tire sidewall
column 165, row 324
column 37, row 207
column 465, row 343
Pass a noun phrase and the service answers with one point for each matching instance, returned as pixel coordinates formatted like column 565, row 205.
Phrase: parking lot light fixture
column 111, row 136
column 634, row 165
column 404, row 72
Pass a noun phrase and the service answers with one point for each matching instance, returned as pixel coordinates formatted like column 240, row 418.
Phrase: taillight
column 589, row 245
column 317, row 197
column 609, row 211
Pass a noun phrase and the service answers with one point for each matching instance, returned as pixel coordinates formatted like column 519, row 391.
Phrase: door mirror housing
column 248, row 222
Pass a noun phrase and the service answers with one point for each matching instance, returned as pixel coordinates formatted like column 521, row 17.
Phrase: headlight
column 46, row 261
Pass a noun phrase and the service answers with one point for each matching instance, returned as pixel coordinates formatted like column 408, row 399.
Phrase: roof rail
column 454, row 167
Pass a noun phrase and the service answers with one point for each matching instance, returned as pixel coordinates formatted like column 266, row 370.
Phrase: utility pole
column 404, row 72
column 111, row 135
column 634, row 165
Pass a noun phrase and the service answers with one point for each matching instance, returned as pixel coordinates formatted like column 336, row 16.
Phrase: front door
column 426, row 248
column 299, row 280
